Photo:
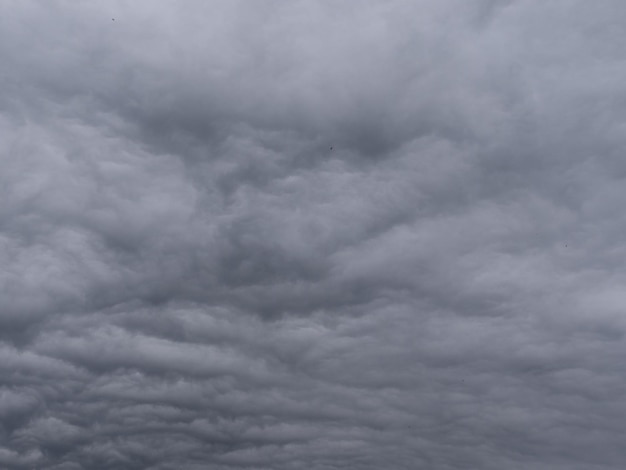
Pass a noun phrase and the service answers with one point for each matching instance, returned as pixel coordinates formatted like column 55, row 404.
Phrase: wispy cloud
column 284, row 235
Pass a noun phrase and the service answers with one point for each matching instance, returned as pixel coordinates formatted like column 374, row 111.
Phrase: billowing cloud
column 312, row 235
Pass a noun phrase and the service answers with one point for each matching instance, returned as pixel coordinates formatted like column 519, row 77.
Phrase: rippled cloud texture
column 312, row 235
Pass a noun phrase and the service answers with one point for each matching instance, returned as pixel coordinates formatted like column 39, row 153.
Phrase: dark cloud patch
column 301, row 235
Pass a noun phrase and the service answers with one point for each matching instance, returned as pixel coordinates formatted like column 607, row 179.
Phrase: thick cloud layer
column 312, row 235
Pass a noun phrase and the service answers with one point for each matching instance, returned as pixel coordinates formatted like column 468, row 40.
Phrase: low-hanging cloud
column 289, row 235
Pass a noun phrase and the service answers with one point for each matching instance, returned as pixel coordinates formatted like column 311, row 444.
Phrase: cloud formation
column 312, row 235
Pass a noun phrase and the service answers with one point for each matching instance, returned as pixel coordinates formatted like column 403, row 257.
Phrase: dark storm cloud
column 283, row 235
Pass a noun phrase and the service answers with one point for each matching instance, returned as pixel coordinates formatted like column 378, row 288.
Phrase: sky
column 284, row 235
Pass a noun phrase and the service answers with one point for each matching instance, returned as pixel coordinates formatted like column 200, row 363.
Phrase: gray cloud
column 289, row 235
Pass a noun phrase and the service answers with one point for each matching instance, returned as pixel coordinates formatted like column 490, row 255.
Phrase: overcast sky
column 317, row 235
